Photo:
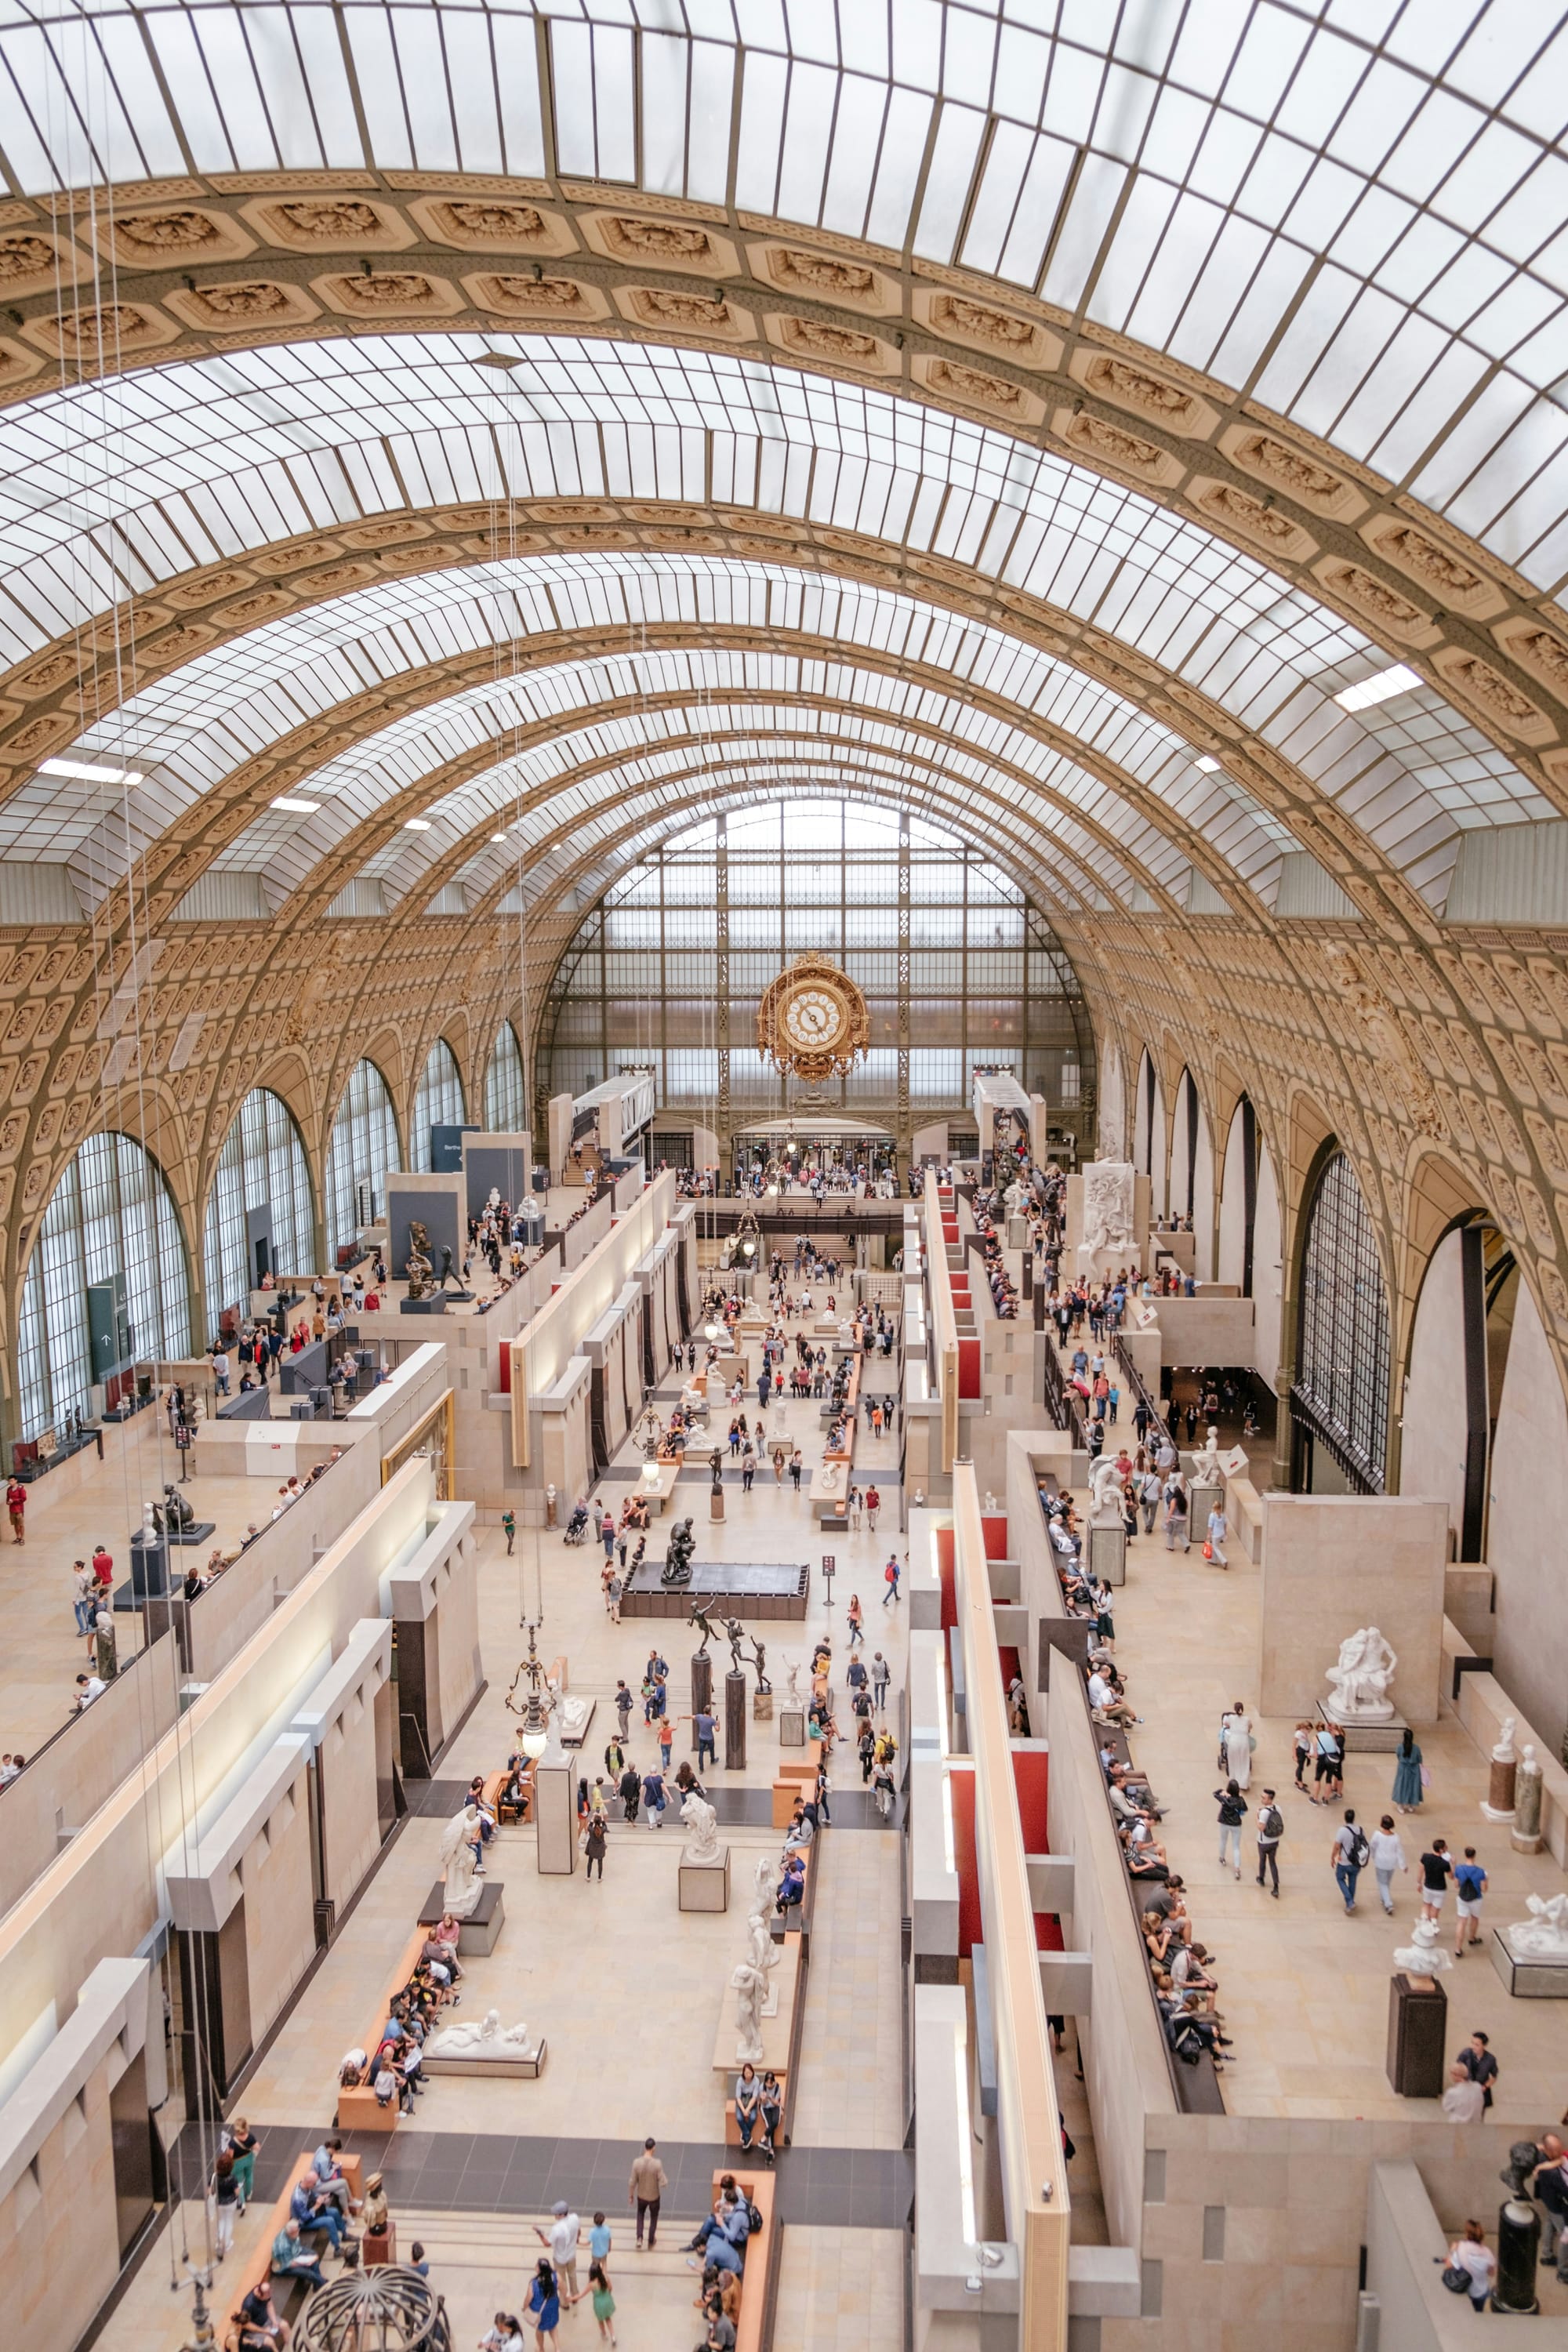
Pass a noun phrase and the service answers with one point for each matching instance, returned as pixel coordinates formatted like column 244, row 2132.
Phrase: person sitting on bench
column 292, row 2259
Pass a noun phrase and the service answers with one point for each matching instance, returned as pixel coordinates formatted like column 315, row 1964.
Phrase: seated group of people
column 1003, row 1292
column 393, row 2071
column 1185, row 1986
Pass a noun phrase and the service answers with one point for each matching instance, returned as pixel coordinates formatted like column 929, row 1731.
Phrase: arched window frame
column 364, row 1144
column 438, row 1100
column 263, row 1160
column 1344, row 1340
column 506, row 1106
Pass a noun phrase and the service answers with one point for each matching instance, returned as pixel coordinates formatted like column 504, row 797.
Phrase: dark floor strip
column 489, row 2173
column 739, row 1807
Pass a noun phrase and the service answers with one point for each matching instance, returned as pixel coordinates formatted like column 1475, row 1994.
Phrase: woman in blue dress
column 1408, row 1774
column 544, row 2303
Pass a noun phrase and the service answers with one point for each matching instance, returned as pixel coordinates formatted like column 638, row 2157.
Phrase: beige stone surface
column 841, row 2291
column 1334, row 1563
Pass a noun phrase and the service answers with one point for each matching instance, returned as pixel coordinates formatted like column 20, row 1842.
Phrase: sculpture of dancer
column 735, row 1634
column 459, row 1853
column 699, row 1617
column 760, row 1660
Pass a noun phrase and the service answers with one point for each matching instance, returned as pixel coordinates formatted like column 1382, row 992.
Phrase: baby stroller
column 577, row 1525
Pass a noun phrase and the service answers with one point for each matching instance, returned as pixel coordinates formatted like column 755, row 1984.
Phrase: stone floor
column 629, row 1991
column 1304, row 1989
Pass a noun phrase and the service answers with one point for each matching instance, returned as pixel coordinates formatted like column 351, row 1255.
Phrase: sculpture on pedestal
column 1107, row 1212
column 1499, row 1805
column 1106, row 1508
column 1359, row 1681
column 750, row 1984
column 699, row 1617
column 1207, row 1468
column 419, row 1265
column 1545, row 1935
column 702, row 1823
column 677, row 1568
column 1422, row 1956
column 791, row 1682
column 483, row 2034
column 459, row 1853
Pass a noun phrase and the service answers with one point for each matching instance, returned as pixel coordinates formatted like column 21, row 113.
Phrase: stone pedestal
column 1108, row 1554
column 1499, row 1806
column 149, row 1568
column 792, row 1726
column 479, row 1933
column 734, row 1722
column 1201, row 1501
column 555, row 1812
column 1376, row 1738
column 704, row 1886
column 1418, row 2032
column 762, row 1706
column 701, row 1683
column 1527, row 1979
column 1525, row 1835
column 716, row 1503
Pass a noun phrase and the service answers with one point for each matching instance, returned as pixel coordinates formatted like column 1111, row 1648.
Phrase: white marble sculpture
column 1359, row 1682
column 761, row 1950
column 482, row 2036
column 791, row 1682
column 1503, row 1753
column 572, row 1714
column 1105, row 1508
column 701, row 1823
column 459, row 1841
column 1208, row 1470
column 1545, row 1935
column 750, row 1984
column 1014, row 1197
column 1422, row 1956
column 1107, row 1214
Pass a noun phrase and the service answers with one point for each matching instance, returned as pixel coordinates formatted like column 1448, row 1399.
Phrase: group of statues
column 734, row 1633
column 170, row 1514
column 419, row 1267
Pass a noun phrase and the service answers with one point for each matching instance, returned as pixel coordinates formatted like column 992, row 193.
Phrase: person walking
column 857, row 1621
column 563, row 2237
column 1435, row 1872
column 85, row 1587
column 646, row 2190
column 614, row 1589
column 1215, row 1547
column 748, row 1467
column 1328, row 1772
column 705, row 1729
column 1303, row 1740
column 1473, row 2256
column 880, row 1675
column 509, row 1529
column 1349, row 1855
column 890, row 1579
column 873, row 1505
column 868, row 1752
column 607, row 1535
column 598, row 2286
column 624, row 1705
column 15, row 1504
column 1409, row 1778
column 666, row 1743
column 796, row 1464
column 593, row 1844
column 630, row 1791
column 1232, row 1814
column 1175, row 1499
column 1469, row 1885
column 224, row 2190
column 1387, row 1856
column 1270, row 1825
column 653, row 1799
column 1236, row 1744
column 1478, row 2063
column 544, row 2303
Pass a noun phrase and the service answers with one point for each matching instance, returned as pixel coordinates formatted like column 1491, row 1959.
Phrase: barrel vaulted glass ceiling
column 1354, row 211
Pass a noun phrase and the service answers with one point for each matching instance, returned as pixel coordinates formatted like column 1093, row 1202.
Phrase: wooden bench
column 286, row 2293
column 495, row 1781
column 358, row 2106
column 760, row 2278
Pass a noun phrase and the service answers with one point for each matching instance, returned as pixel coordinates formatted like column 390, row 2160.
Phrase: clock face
column 812, row 1019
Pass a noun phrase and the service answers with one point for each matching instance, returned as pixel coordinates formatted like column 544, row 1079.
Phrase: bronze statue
column 419, row 1265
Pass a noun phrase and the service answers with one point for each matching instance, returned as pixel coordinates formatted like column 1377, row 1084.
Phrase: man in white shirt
column 87, row 1689
column 1104, row 1701
column 1463, row 2101
column 562, row 2240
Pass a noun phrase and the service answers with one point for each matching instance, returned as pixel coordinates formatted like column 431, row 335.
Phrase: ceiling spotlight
column 298, row 808
column 85, row 773
column 1399, row 679
column 417, row 825
column 497, row 836
column 1207, row 765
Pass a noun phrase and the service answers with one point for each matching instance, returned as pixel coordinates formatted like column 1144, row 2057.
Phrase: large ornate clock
column 812, row 1020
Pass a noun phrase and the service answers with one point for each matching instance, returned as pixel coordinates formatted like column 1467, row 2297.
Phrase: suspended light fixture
column 534, row 1713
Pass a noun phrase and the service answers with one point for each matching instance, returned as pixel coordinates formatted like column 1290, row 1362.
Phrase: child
column 598, row 2286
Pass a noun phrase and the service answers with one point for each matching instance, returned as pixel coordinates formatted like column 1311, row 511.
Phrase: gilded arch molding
column 201, row 269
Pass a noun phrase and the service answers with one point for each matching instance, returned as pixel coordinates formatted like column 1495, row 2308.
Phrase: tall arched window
column 260, row 1194
column 363, row 1146
column 110, row 1214
column 1341, row 1397
column 504, row 1107
column 438, row 1100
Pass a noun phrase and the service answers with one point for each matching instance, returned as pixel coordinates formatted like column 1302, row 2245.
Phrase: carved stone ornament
column 819, row 274
column 812, row 1023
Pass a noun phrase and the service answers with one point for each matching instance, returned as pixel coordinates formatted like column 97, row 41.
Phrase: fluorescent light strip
column 1209, row 766
column 84, row 773
column 1379, row 689
column 298, row 808
column 417, row 825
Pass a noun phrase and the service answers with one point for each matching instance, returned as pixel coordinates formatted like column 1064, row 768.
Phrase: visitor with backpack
column 1271, row 1824
column 1350, row 1854
column 1469, row 1885
column 1232, row 1814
